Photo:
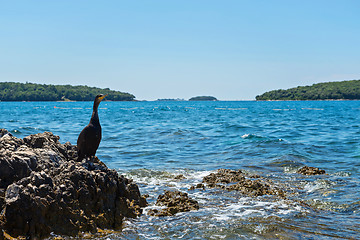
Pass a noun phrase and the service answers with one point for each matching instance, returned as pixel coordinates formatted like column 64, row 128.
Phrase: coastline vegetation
column 12, row 91
column 203, row 98
column 349, row 90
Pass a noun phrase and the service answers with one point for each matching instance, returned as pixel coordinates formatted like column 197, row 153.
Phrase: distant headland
column 203, row 98
column 347, row 90
column 11, row 91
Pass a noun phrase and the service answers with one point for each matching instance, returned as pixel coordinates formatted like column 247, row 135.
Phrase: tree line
column 11, row 91
column 321, row 91
column 203, row 98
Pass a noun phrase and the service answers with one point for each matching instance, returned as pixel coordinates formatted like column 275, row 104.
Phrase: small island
column 347, row 90
column 12, row 91
column 203, row 98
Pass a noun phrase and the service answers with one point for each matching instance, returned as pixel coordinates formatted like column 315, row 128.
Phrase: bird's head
column 98, row 99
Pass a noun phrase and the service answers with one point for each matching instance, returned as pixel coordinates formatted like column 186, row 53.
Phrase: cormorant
column 90, row 137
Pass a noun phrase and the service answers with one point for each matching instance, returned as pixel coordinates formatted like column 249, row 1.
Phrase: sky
column 230, row 49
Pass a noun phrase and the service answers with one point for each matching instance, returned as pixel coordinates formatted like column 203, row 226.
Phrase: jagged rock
column 175, row 202
column 198, row 186
column 179, row 177
column 236, row 180
column 310, row 171
column 223, row 176
column 43, row 189
column 4, row 132
column 2, row 198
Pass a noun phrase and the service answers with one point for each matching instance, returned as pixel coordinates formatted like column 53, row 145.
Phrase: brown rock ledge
column 236, row 180
column 310, row 171
column 175, row 202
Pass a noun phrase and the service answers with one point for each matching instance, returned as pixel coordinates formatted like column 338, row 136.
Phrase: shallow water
column 153, row 142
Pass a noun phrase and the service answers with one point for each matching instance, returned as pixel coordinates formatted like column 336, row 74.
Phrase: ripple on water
column 227, row 212
column 155, row 141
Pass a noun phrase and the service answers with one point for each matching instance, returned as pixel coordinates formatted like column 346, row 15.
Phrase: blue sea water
column 152, row 142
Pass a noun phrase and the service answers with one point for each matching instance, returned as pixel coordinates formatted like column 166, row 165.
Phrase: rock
column 44, row 190
column 4, row 132
column 180, row 177
column 198, row 186
column 13, row 166
column 175, row 202
column 236, row 180
column 224, row 176
column 310, row 171
column 2, row 199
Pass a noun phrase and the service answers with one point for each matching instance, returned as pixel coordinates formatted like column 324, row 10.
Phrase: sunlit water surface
column 152, row 142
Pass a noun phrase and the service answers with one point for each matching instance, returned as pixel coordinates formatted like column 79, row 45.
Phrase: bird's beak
column 102, row 97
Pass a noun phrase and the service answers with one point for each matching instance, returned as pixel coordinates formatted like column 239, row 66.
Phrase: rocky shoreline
column 44, row 190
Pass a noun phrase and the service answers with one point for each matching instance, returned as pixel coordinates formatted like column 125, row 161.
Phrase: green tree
column 10, row 91
column 320, row 91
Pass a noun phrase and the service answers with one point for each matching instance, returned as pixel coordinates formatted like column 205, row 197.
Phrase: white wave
column 247, row 207
column 317, row 109
column 233, row 109
column 317, row 185
column 286, row 109
column 246, row 135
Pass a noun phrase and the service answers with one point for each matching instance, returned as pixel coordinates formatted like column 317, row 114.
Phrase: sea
column 153, row 142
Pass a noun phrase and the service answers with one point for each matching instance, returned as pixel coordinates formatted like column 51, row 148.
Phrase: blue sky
column 233, row 50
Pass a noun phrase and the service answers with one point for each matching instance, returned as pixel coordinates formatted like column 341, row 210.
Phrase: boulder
column 197, row 186
column 180, row 177
column 310, row 171
column 174, row 202
column 4, row 132
column 43, row 190
column 236, row 180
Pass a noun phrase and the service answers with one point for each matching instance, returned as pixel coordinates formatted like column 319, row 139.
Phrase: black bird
column 90, row 137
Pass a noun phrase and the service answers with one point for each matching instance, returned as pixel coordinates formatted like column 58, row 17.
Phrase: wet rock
column 255, row 188
column 310, row 171
column 223, row 176
column 180, row 177
column 44, row 190
column 198, row 186
column 174, row 202
column 236, row 180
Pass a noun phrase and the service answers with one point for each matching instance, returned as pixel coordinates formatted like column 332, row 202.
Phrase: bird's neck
column 95, row 117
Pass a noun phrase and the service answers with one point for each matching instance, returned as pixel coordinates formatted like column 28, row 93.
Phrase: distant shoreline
column 199, row 101
column 343, row 90
column 306, row 100
column 18, row 92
